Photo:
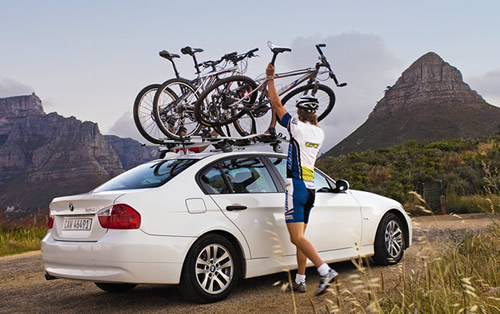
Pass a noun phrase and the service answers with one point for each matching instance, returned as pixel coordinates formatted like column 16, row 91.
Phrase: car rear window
column 149, row 175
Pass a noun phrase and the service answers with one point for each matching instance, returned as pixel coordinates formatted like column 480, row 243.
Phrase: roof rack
column 224, row 143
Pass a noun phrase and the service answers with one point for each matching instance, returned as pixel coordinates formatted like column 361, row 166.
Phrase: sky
column 89, row 59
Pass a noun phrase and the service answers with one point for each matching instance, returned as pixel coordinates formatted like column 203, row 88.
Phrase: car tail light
column 50, row 221
column 121, row 217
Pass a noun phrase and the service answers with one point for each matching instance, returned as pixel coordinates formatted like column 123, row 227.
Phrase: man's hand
column 270, row 70
column 273, row 93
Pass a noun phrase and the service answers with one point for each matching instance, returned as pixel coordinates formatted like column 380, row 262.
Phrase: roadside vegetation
column 466, row 170
column 462, row 278
column 22, row 234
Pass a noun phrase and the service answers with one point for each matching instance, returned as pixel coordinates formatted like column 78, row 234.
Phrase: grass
column 473, row 203
column 22, row 235
column 464, row 278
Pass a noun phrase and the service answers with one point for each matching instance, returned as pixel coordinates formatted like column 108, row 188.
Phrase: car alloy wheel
column 211, row 269
column 390, row 240
column 393, row 239
column 214, row 269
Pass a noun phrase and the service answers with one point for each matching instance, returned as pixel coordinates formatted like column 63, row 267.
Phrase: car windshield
column 149, row 175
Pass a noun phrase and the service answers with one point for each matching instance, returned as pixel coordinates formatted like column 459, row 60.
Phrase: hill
column 459, row 167
column 429, row 102
column 46, row 155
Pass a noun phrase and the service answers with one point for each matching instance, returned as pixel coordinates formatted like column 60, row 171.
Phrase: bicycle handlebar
column 233, row 57
column 325, row 63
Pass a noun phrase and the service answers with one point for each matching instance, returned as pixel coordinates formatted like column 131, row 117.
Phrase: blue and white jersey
column 305, row 142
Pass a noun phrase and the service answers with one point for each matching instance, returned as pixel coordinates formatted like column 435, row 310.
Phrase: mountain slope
column 429, row 102
column 47, row 155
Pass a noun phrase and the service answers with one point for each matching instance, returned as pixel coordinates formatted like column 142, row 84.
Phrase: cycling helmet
column 308, row 103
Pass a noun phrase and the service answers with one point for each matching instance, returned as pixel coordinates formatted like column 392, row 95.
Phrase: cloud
column 9, row 87
column 487, row 86
column 364, row 62
column 125, row 127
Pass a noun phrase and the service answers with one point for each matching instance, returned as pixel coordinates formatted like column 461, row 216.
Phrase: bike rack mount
column 223, row 143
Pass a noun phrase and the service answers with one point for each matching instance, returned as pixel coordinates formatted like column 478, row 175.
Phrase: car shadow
column 159, row 298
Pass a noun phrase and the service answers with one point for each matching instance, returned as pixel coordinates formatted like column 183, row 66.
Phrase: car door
column 252, row 198
column 335, row 220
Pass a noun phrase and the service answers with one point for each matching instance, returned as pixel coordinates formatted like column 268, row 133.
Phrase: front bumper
column 121, row 256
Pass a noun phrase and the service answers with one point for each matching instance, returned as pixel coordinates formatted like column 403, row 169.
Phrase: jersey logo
column 312, row 145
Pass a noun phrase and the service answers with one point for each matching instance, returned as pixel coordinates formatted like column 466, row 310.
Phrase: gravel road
column 24, row 289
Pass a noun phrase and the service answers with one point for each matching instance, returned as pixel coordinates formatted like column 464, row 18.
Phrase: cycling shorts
column 299, row 200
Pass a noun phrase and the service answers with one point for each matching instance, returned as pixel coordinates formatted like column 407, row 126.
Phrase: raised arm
column 273, row 93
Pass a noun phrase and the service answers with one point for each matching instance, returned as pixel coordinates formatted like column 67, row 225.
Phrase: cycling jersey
column 305, row 142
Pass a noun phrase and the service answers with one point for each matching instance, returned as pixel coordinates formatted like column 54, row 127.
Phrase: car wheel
column 389, row 240
column 115, row 287
column 211, row 270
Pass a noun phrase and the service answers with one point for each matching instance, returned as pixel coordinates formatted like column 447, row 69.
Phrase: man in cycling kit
column 305, row 141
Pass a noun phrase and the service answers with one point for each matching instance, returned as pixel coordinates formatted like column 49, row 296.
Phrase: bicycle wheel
column 257, row 121
column 225, row 101
column 173, row 108
column 324, row 94
column 144, row 117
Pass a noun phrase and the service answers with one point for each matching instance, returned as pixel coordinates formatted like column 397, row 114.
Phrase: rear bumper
column 126, row 256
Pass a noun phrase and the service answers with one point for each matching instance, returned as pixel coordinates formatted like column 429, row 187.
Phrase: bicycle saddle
column 277, row 49
column 167, row 55
column 190, row 51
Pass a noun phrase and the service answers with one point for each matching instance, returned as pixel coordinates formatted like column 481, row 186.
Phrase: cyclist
column 305, row 141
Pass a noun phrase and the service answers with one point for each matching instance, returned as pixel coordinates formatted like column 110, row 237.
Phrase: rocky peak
column 429, row 102
column 47, row 155
column 428, row 81
column 20, row 106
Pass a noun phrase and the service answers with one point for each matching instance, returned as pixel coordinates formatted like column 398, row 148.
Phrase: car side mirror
column 341, row 186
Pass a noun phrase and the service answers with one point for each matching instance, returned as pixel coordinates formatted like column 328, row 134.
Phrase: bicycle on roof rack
column 234, row 100
column 143, row 111
column 173, row 105
column 143, row 107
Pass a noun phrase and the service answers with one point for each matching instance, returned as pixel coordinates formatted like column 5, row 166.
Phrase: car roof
column 204, row 155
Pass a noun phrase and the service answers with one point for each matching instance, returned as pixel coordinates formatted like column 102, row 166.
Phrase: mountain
column 429, row 102
column 46, row 155
column 131, row 152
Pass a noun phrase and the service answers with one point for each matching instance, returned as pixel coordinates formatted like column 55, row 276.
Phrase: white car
column 205, row 220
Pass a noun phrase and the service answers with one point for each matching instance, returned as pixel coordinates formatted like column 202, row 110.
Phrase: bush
column 465, row 168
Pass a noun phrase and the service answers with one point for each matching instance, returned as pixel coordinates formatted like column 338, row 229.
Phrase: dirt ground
column 24, row 289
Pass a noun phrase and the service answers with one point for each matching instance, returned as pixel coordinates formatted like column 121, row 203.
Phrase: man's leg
column 301, row 258
column 296, row 231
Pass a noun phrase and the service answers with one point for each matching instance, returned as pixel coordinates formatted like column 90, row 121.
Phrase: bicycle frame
column 308, row 74
column 204, row 81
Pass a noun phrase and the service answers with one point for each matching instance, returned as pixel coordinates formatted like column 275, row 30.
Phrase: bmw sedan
column 204, row 221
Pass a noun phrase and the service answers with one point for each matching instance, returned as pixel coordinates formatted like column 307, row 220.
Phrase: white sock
column 323, row 269
column 300, row 278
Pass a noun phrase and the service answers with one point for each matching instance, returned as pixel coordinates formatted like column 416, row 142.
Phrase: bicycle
column 143, row 107
column 173, row 105
column 143, row 112
column 230, row 99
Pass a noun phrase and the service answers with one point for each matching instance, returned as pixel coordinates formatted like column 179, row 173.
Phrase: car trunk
column 75, row 217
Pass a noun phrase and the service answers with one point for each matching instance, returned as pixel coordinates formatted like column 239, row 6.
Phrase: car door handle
column 236, row 207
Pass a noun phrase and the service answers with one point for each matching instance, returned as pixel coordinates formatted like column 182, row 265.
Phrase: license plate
column 77, row 223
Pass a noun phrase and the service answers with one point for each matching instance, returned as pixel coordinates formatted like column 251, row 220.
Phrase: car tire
column 211, row 270
column 115, row 287
column 389, row 240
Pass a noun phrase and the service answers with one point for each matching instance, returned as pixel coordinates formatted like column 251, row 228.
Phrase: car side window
column 280, row 164
column 320, row 183
column 248, row 175
column 213, row 182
